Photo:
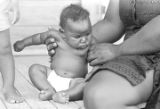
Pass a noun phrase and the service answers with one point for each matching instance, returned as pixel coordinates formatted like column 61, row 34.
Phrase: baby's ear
column 62, row 33
column 61, row 30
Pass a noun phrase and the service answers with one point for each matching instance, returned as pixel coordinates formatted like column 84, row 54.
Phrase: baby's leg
column 75, row 92
column 107, row 90
column 7, row 68
column 38, row 75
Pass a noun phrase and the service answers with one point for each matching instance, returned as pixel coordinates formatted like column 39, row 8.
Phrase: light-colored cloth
column 4, row 14
column 58, row 82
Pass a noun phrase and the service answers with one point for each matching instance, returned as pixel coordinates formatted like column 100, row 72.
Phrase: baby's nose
column 83, row 39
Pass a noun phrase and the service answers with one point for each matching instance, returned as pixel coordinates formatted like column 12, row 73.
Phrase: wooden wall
column 36, row 16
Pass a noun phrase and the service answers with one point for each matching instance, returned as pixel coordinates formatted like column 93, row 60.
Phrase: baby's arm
column 35, row 39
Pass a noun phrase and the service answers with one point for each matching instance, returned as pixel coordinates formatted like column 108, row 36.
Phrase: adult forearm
column 146, row 41
column 106, row 31
column 139, row 46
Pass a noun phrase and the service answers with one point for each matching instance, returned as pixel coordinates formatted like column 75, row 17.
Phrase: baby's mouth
column 83, row 45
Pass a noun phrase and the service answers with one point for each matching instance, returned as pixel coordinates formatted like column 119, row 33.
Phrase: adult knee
column 92, row 93
column 95, row 97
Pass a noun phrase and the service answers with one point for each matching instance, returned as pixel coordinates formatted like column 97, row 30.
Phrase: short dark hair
column 73, row 12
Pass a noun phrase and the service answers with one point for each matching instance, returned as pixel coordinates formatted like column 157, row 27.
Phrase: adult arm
column 106, row 31
column 145, row 41
column 111, row 28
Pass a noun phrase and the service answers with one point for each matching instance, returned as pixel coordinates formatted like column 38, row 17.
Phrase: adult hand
column 101, row 53
column 51, row 45
column 51, row 40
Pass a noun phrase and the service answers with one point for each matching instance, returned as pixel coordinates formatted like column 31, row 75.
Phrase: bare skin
column 107, row 31
column 7, row 67
column 8, row 72
column 69, row 60
column 144, row 41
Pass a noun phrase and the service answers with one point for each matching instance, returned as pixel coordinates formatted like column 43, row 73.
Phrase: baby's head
column 76, row 26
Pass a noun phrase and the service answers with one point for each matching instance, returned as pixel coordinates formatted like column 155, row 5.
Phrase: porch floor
column 28, row 91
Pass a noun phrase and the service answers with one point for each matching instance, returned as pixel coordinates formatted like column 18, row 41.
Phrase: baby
column 69, row 62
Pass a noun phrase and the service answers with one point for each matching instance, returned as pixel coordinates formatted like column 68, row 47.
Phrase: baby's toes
column 19, row 100
column 42, row 96
column 11, row 100
column 61, row 98
column 45, row 95
column 15, row 99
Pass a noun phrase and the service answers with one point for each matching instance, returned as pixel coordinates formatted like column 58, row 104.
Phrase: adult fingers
column 50, row 40
column 51, row 49
column 95, row 62
column 51, row 53
column 92, row 47
column 91, row 55
column 51, row 27
column 51, row 46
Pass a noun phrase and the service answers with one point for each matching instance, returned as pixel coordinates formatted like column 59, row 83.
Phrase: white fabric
column 4, row 14
column 58, row 82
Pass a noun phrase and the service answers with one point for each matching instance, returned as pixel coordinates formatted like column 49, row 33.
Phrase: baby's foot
column 61, row 97
column 46, row 94
column 11, row 95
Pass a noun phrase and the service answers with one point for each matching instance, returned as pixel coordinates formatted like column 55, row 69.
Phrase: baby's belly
column 69, row 66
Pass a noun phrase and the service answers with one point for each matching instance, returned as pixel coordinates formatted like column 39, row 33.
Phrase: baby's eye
column 78, row 36
column 88, row 34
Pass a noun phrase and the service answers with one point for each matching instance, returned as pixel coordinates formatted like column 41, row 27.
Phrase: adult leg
column 38, row 75
column 7, row 68
column 108, row 90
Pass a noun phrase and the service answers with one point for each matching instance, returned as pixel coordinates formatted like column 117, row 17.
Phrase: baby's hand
column 61, row 97
column 18, row 46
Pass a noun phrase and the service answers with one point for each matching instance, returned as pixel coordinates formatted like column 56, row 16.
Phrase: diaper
column 58, row 82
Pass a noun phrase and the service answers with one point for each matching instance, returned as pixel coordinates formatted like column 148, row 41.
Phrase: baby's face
column 78, row 33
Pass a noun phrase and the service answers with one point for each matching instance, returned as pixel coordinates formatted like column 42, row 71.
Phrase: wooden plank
column 70, row 105
column 31, row 94
column 80, row 104
column 44, row 12
column 2, row 105
column 6, row 105
column 23, row 69
column 20, row 32
column 17, row 106
column 24, row 62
